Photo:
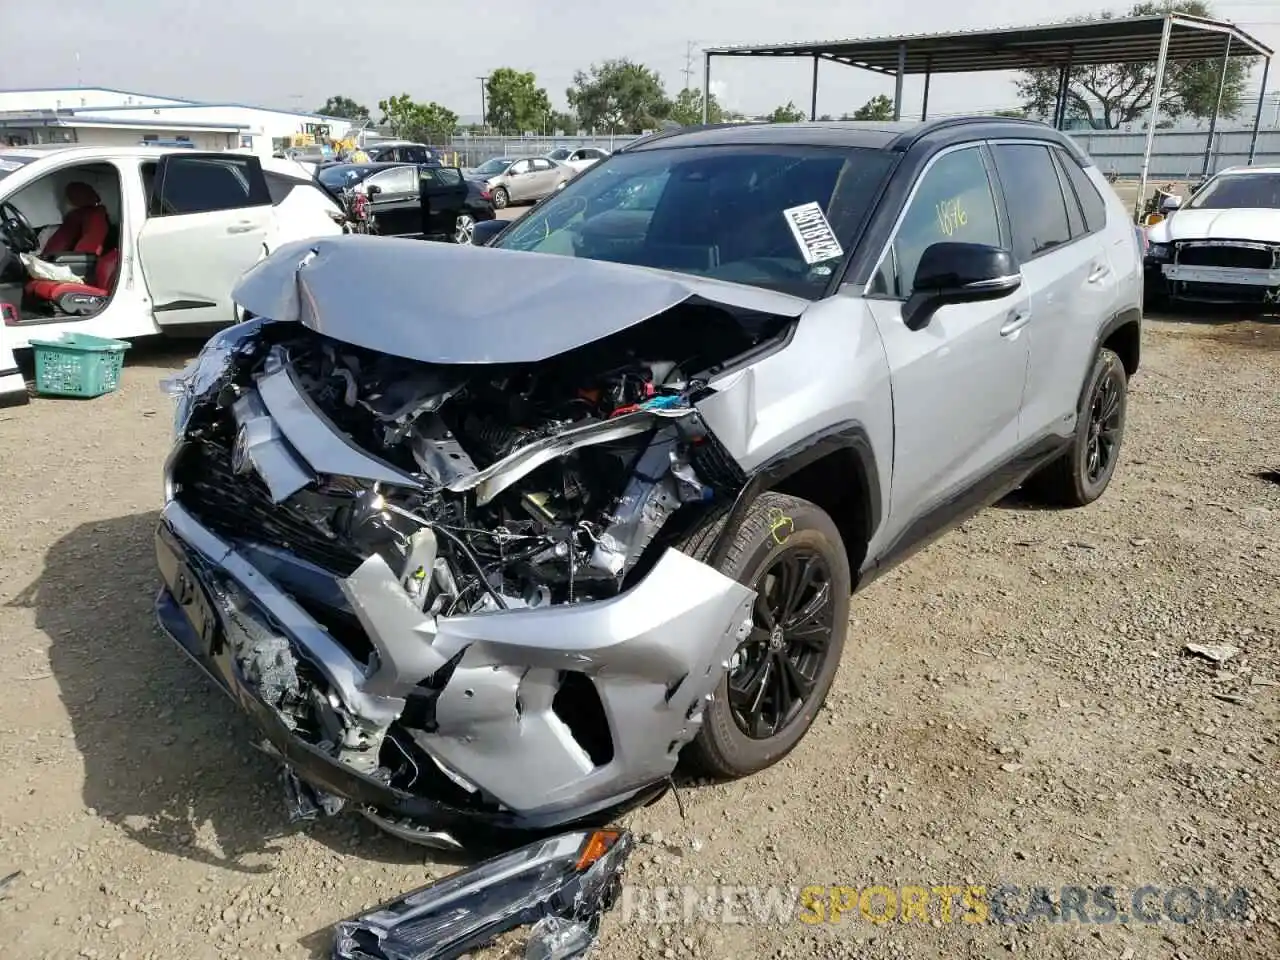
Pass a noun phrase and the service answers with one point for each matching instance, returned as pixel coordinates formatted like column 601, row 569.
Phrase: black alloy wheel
column 790, row 552
column 1106, row 424
column 1083, row 472
column 773, row 673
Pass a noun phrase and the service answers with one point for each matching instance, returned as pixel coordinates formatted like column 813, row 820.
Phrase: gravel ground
column 1015, row 706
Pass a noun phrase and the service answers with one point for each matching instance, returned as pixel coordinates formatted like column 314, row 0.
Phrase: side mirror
column 486, row 230
column 959, row 273
column 1170, row 203
column 373, row 190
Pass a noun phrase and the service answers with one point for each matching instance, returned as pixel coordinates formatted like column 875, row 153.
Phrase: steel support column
column 1156, row 91
column 813, row 101
column 897, row 82
column 1217, row 105
column 706, row 86
column 1257, row 117
column 928, row 75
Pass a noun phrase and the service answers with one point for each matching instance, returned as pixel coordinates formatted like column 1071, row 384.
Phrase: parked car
column 521, row 179
column 146, row 240
column 482, row 558
column 580, row 158
column 414, row 200
column 401, row 151
column 1219, row 246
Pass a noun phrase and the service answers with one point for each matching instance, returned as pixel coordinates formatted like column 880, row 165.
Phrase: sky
column 294, row 54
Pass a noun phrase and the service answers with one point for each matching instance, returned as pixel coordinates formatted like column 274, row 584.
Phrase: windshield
column 9, row 164
column 344, row 176
column 561, row 154
column 1255, row 191
column 728, row 213
column 496, row 165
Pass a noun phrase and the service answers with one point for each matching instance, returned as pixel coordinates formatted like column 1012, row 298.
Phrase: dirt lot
column 1015, row 706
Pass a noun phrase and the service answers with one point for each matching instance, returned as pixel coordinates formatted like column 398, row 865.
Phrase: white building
column 100, row 115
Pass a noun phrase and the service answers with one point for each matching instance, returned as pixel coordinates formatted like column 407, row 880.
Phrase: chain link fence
column 1176, row 154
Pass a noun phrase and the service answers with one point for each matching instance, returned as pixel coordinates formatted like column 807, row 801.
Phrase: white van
column 132, row 241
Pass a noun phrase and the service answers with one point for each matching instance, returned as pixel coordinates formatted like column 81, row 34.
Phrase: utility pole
column 484, row 113
column 688, row 63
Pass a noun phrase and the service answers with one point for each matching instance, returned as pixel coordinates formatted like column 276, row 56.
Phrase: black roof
column 873, row 134
column 1081, row 43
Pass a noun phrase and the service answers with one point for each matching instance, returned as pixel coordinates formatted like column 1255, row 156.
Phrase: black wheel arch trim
column 849, row 436
column 1131, row 316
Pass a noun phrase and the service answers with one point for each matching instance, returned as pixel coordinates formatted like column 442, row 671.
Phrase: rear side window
column 450, row 176
column 280, row 186
column 1091, row 202
column 205, row 184
column 1037, row 209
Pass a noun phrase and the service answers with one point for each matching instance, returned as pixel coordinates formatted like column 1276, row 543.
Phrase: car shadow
column 168, row 758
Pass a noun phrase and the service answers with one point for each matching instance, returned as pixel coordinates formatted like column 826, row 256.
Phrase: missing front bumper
column 654, row 655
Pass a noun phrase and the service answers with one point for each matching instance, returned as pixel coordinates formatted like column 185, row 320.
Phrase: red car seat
column 104, row 277
column 84, row 228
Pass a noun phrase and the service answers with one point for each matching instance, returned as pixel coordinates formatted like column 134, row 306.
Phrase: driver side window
column 519, row 168
column 954, row 202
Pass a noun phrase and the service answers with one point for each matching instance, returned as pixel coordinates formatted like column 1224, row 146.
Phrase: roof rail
column 907, row 139
column 675, row 132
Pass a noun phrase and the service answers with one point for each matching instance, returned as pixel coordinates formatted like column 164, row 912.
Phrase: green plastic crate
column 78, row 365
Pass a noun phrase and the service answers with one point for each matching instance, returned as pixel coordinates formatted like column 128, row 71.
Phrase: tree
column 516, row 104
column 788, row 114
column 619, row 96
column 878, row 107
column 1112, row 95
column 426, row 122
column 344, row 107
column 561, row 122
column 687, row 108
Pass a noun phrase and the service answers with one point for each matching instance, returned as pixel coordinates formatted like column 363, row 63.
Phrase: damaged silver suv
column 487, row 539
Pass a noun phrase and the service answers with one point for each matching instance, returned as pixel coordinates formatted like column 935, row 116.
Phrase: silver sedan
column 510, row 180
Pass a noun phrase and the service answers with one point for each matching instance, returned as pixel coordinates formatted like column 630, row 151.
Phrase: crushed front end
column 447, row 594
column 1215, row 271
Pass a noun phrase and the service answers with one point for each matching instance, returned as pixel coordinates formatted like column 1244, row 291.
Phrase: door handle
column 240, row 228
column 1098, row 273
column 1015, row 321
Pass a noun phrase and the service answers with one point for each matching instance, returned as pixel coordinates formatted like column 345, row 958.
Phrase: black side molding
column 181, row 305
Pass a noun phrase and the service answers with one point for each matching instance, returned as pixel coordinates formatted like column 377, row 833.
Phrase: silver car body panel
column 438, row 303
column 315, row 439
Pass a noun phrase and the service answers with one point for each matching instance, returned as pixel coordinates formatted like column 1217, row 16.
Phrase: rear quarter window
column 1091, row 202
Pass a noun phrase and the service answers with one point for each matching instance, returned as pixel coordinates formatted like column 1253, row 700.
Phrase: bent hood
column 1261, row 226
column 460, row 304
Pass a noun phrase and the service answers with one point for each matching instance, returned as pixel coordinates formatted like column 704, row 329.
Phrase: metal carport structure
column 1055, row 45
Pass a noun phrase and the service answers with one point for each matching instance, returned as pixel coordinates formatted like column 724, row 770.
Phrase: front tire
column 790, row 552
column 500, row 198
column 1080, row 475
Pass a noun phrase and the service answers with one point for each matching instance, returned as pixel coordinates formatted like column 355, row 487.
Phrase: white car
column 1220, row 246
column 580, row 158
column 128, row 241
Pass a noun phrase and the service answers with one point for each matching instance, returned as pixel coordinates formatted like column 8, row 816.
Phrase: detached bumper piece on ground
column 561, row 885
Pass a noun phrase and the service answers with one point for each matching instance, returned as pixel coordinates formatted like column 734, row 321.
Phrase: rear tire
column 790, row 552
column 1082, row 474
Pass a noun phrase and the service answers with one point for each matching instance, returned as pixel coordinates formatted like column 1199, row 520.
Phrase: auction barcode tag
column 814, row 236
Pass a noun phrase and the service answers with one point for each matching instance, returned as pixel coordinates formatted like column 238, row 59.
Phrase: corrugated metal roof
column 1082, row 43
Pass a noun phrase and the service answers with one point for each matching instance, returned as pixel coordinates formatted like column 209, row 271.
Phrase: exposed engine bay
column 535, row 485
column 474, row 489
